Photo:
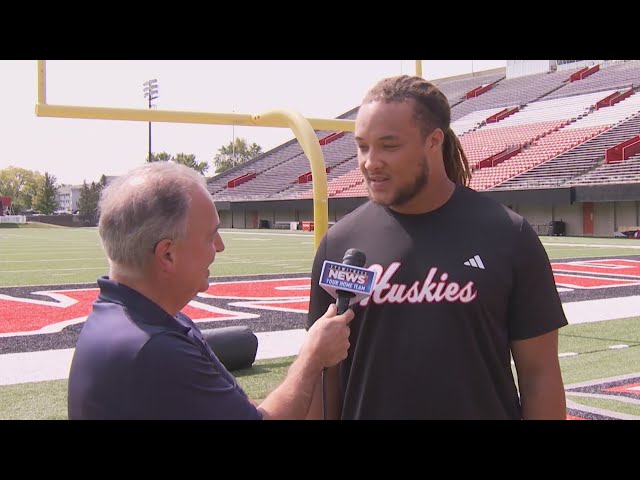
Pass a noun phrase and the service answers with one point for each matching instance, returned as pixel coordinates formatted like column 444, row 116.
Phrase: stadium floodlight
column 150, row 92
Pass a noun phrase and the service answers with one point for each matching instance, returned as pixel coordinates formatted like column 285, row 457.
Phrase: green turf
column 74, row 255
column 58, row 255
column 598, row 336
column 265, row 375
column 34, row 401
column 29, row 225
column 579, row 247
column 612, row 405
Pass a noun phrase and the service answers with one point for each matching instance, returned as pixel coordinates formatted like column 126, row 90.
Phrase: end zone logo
column 58, row 309
column 51, row 310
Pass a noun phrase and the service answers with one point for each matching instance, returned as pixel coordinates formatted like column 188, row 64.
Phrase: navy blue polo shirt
column 135, row 361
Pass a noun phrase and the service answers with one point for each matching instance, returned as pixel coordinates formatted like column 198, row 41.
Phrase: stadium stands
column 556, row 130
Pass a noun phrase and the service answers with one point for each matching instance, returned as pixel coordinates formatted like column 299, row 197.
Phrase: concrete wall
column 286, row 215
column 538, row 216
column 626, row 214
column 225, row 219
column 571, row 215
column 603, row 225
column 238, row 219
column 605, row 221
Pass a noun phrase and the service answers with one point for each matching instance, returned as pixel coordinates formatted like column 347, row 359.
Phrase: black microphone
column 355, row 258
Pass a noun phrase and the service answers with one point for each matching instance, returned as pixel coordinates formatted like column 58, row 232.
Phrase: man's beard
column 408, row 193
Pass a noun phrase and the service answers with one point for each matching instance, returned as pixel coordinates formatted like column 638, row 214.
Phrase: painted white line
column 231, row 232
column 57, row 259
column 616, row 347
column 55, row 364
column 567, row 354
column 56, row 269
column 597, row 310
column 600, row 411
column 279, row 344
column 35, row 366
column 591, row 245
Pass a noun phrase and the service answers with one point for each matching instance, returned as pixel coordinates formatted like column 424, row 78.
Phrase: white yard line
column 102, row 267
column 58, row 259
column 55, row 364
column 234, row 232
column 590, row 245
column 597, row 310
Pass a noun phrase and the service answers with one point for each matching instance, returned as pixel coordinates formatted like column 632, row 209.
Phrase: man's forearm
column 544, row 399
column 291, row 400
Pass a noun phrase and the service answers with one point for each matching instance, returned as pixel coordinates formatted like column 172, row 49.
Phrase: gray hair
column 139, row 209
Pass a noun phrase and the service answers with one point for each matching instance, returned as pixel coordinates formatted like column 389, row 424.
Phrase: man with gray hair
column 138, row 356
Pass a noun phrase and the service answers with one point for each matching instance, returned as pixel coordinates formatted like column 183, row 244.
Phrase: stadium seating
column 561, row 128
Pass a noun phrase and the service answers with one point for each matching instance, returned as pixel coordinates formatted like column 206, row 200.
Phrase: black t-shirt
column 454, row 287
column 135, row 361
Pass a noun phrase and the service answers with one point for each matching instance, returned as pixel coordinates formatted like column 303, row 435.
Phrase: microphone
column 348, row 281
column 355, row 258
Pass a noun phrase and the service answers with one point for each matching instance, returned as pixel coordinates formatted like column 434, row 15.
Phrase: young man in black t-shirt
column 463, row 283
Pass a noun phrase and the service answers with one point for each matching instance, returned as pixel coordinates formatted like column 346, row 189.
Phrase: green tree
column 46, row 199
column 158, row 157
column 235, row 153
column 21, row 185
column 190, row 161
column 89, row 200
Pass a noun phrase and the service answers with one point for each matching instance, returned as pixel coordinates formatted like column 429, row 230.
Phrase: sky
column 75, row 150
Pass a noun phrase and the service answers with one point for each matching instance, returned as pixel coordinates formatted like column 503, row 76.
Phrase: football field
column 47, row 285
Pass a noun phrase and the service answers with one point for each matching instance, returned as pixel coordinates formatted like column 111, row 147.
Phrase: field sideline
column 599, row 350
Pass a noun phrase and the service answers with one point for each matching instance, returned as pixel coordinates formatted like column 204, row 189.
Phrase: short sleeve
column 173, row 379
column 534, row 305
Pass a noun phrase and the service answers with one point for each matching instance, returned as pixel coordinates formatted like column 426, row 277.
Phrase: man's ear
column 164, row 255
column 435, row 139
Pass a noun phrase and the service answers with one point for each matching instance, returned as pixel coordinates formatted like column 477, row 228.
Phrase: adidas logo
column 475, row 262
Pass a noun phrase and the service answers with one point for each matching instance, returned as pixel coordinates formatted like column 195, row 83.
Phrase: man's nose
column 218, row 243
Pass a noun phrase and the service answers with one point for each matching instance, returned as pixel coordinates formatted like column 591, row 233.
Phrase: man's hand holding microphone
column 327, row 341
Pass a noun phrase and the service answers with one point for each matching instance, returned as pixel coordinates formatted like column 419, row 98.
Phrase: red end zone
column 60, row 308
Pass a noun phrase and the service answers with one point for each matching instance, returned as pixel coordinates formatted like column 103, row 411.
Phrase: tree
column 103, row 181
column 46, row 200
column 188, row 160
column 159, row 157
column 89, row 200
column 235, row 153
column 21, row 185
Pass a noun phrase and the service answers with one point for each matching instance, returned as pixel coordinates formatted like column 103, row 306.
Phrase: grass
column 596, row 360
column 48, row 400
column 74, row 255
column 34, row 401
column 29, row 225
column 58, row 255
column 40, row 255
column 612, row 405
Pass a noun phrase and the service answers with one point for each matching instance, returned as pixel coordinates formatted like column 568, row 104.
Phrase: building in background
column 68, row 197
column 5, row 203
